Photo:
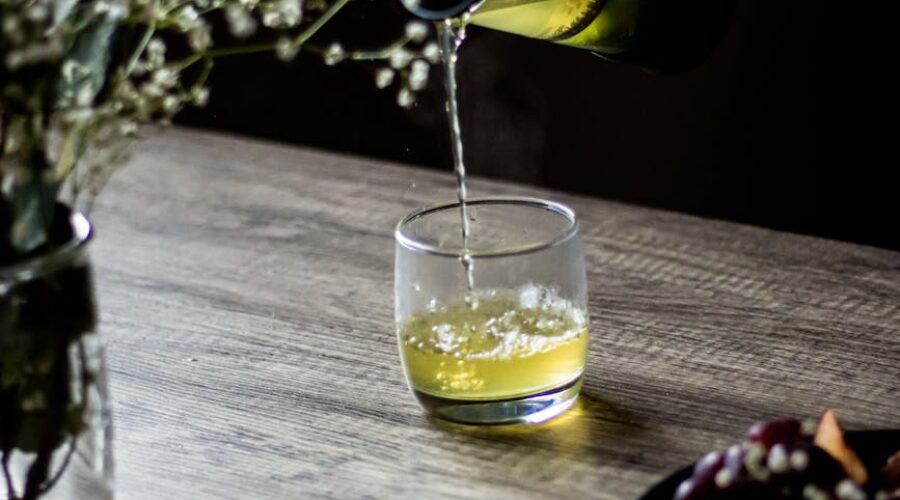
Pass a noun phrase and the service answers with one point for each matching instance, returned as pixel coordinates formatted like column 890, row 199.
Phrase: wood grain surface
column 247, row 299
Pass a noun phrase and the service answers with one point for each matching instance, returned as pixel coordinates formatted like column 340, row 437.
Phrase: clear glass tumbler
column 512, row 348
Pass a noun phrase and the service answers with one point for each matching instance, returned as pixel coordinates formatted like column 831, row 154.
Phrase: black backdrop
column 741, row 137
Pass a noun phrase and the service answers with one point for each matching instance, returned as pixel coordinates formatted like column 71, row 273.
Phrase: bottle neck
column 606, row 26
column 660, row 36
column 435, row 10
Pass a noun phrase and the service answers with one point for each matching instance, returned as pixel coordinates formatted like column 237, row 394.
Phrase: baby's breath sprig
column 403, row 63
column 80, row 78
column 78, row 81
column 407, row 64
column 408, row 56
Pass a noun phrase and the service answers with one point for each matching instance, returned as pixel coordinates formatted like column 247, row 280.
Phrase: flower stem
column 145, row 39
column 10, row 489
column 317, row 25
column 73, row 443
column 69, row 155
column 298, row 41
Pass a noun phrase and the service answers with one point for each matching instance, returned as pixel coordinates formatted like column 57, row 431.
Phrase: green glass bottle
column 666, row 36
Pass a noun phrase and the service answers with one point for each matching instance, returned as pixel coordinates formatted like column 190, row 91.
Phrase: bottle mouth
column 435, row 10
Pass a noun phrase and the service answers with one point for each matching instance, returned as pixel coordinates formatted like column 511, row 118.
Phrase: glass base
column 533, row 409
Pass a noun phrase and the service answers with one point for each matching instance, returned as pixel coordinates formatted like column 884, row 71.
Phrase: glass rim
column 42, row 264
column 567, row 213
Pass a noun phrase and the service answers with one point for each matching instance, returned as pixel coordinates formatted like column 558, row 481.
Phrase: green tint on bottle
column 607, row 26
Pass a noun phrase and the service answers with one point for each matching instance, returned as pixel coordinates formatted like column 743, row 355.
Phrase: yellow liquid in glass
column 607, row 26
column 503, row 348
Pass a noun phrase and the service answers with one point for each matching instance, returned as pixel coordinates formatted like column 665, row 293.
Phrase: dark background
column 742, row 137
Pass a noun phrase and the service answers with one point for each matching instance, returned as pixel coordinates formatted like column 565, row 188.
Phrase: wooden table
column 246, row 293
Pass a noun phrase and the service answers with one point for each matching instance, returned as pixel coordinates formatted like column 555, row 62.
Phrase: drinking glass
column 512, row 348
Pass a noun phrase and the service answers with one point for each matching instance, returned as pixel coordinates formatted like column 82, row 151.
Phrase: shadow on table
column 592, row 426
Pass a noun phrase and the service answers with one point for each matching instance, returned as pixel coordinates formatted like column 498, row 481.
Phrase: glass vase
column 55, row 432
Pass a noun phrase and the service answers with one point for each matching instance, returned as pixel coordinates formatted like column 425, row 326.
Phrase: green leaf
column 90, row 54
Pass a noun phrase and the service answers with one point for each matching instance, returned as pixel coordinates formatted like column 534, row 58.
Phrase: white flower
column 10, row 24
column 420, row 66
column 282, row 13
column 150, row 89
column 170, row 104
column 156, row 53
column 200, row 37
column 127, row 92
column 143, row 106
column 73, row 70
column 432, row 52
column 240, row 22
column 149, row 12
column 270, row 16
column 405, row 98
column 778, row 461
column 400, row 58
column 139, row 69
column 334, row 54
column 37, row 12
column 75, row 116
column 156, row 47
column 35, row 53
column 85, row 94
column 418, row 76
column 12, row 28
column 110, row 8
column 384, row 77
column 35, row 401
column 165, row 77
column 14, row 59
column 128, row 128
column 291, row 12
column 186, row 18
column 416, row 31
column 286, row 49
column 848, row 490
column 201, row 96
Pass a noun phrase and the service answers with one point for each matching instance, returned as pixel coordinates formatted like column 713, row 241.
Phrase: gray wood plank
column 246, row 295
